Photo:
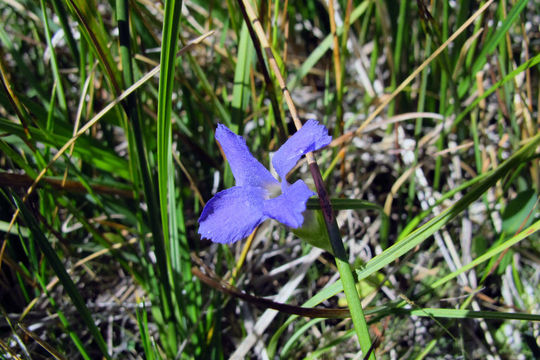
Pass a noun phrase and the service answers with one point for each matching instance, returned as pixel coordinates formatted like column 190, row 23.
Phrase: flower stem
column 349, row 285
column 344, row 268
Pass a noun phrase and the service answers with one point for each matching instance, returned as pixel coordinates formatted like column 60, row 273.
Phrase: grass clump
column 107, row 153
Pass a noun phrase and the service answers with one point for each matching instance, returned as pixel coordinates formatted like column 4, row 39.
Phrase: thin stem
column 344, row 268
column 349, row 284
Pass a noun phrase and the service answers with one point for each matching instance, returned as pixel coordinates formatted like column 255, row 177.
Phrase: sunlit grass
column 107, row 160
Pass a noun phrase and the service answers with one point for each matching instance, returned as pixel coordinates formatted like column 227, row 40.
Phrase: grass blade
column 62, row 274
column 166, row 186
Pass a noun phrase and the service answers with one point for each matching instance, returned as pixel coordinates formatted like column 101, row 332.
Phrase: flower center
column 272, row 191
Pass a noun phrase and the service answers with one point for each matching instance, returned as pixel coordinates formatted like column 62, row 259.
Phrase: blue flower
column 234, row 213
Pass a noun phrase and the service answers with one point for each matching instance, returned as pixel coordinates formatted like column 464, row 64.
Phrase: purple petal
column 312, row 136
column 246, row 169
column 288, row 207
column 232, row 214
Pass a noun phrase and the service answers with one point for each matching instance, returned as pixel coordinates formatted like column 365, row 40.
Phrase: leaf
column 519, row 212
column 62, row 274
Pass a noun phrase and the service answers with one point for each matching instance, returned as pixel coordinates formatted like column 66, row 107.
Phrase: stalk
column 344, row 268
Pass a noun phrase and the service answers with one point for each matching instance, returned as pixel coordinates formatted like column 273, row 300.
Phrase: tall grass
column 107, row 153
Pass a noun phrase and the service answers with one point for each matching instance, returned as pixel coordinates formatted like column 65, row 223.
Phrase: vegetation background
column 107, row 160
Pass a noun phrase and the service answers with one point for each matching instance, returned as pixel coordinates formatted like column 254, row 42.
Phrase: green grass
column 107, row 159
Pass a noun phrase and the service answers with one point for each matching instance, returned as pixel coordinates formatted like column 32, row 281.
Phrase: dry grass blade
column 51, row 350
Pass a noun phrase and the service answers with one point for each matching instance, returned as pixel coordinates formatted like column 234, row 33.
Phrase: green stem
column 344, row 268
column 60, row 11
column 54, row 63
column 404, row 5
column 270, row 88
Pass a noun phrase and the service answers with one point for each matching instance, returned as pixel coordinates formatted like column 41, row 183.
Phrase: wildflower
column 234, row 213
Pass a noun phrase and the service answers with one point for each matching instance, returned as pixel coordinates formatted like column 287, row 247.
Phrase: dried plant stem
column 347, row 278
column 337, row 67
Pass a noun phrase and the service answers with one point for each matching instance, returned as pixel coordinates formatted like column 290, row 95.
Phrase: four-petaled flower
column 234, row 213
